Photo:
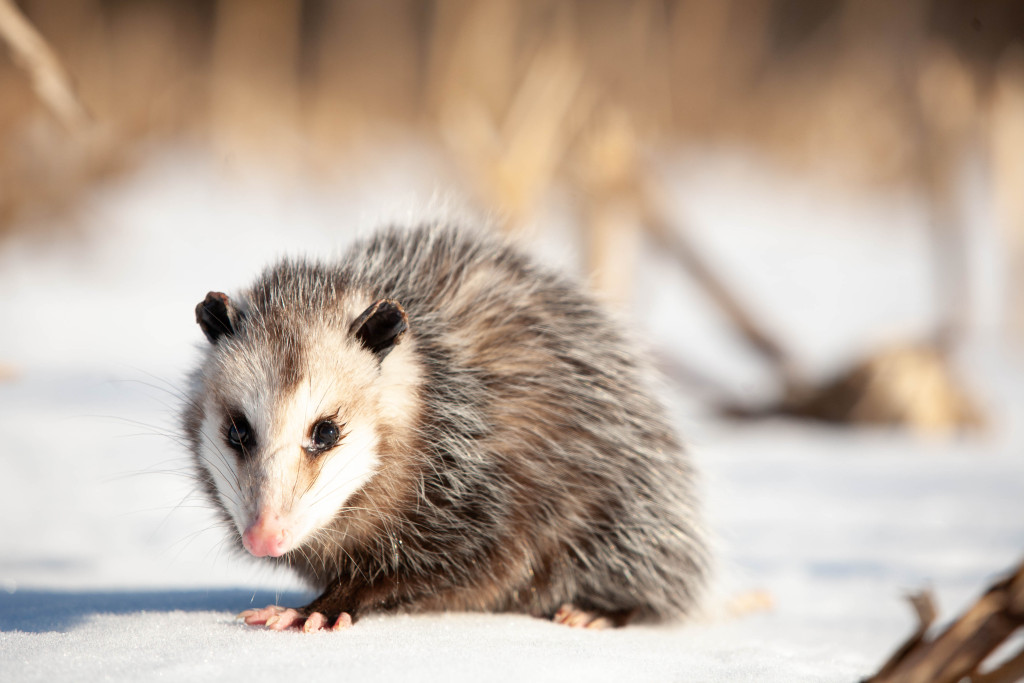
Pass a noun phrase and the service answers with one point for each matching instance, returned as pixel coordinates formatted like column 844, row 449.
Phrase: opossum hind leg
column 577, row 617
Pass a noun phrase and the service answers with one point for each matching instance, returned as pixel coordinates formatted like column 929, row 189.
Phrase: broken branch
column 959, row 651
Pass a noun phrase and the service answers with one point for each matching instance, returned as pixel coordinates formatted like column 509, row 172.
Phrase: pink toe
column 255, row 617
column 286, row 619
column 344, row 621
column 314, row 622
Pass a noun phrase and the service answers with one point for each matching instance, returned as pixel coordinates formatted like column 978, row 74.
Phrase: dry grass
column 519, row 93
column 529, row 95
column 524, row 96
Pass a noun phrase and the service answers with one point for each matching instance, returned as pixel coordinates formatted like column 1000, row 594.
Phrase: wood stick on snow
column 959, row 651
column 924, row 605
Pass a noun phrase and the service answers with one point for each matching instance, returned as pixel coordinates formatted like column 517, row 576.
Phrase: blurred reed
column 527, row 96
column 519, row 92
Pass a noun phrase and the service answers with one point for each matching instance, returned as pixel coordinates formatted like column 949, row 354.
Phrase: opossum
column 435, row 422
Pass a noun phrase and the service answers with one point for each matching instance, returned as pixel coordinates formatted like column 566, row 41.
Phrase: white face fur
column 279, row 478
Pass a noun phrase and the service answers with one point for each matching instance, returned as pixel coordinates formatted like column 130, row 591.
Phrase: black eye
column 239, row 433
column 325, row 435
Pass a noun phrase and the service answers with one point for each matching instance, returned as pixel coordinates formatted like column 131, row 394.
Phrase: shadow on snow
column 41, row 611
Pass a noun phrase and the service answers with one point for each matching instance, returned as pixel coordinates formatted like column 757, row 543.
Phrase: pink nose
column 266, row 536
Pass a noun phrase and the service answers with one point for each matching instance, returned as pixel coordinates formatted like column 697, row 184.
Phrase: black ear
column 217, row 316
column 380, row 327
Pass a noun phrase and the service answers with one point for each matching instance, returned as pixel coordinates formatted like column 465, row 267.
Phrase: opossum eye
column 239, row 433
column 325, row 435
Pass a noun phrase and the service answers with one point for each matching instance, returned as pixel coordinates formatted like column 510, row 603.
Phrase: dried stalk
column 50, row 80
column 1011, row 671
column 958, row 652
column 745, row 322
column 924, row 606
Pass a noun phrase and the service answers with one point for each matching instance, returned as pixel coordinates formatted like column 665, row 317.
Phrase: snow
column 111, row 570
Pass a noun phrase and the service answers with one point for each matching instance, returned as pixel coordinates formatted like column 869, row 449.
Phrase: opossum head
column 291, row 408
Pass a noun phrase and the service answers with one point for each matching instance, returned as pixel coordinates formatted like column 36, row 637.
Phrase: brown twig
column 1010, row 671
column 924, row 605
column 49, row 78
column 959, row 651
column 678, row 246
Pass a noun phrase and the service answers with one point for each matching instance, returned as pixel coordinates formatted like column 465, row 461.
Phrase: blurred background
column 609, row 124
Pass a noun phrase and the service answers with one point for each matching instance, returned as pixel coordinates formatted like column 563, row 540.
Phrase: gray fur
column 539, row 470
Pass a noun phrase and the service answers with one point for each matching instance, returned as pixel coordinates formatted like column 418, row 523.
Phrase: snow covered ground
column 109, row 570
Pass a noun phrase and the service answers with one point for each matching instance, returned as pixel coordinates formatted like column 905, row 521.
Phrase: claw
column 277, row 618
column 256, row 617
column 285, row 620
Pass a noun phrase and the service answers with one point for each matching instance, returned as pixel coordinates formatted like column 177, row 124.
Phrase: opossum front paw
column 254, row 617
column 274, row 617
column 277, row 618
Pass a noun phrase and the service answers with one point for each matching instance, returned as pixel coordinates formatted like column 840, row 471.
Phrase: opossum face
column 292, row 414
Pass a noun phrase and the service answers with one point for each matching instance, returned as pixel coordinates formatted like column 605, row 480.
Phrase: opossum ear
column 217, row 316
column 380, row 327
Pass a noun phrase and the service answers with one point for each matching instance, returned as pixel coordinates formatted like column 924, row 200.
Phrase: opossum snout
column 267, row 536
